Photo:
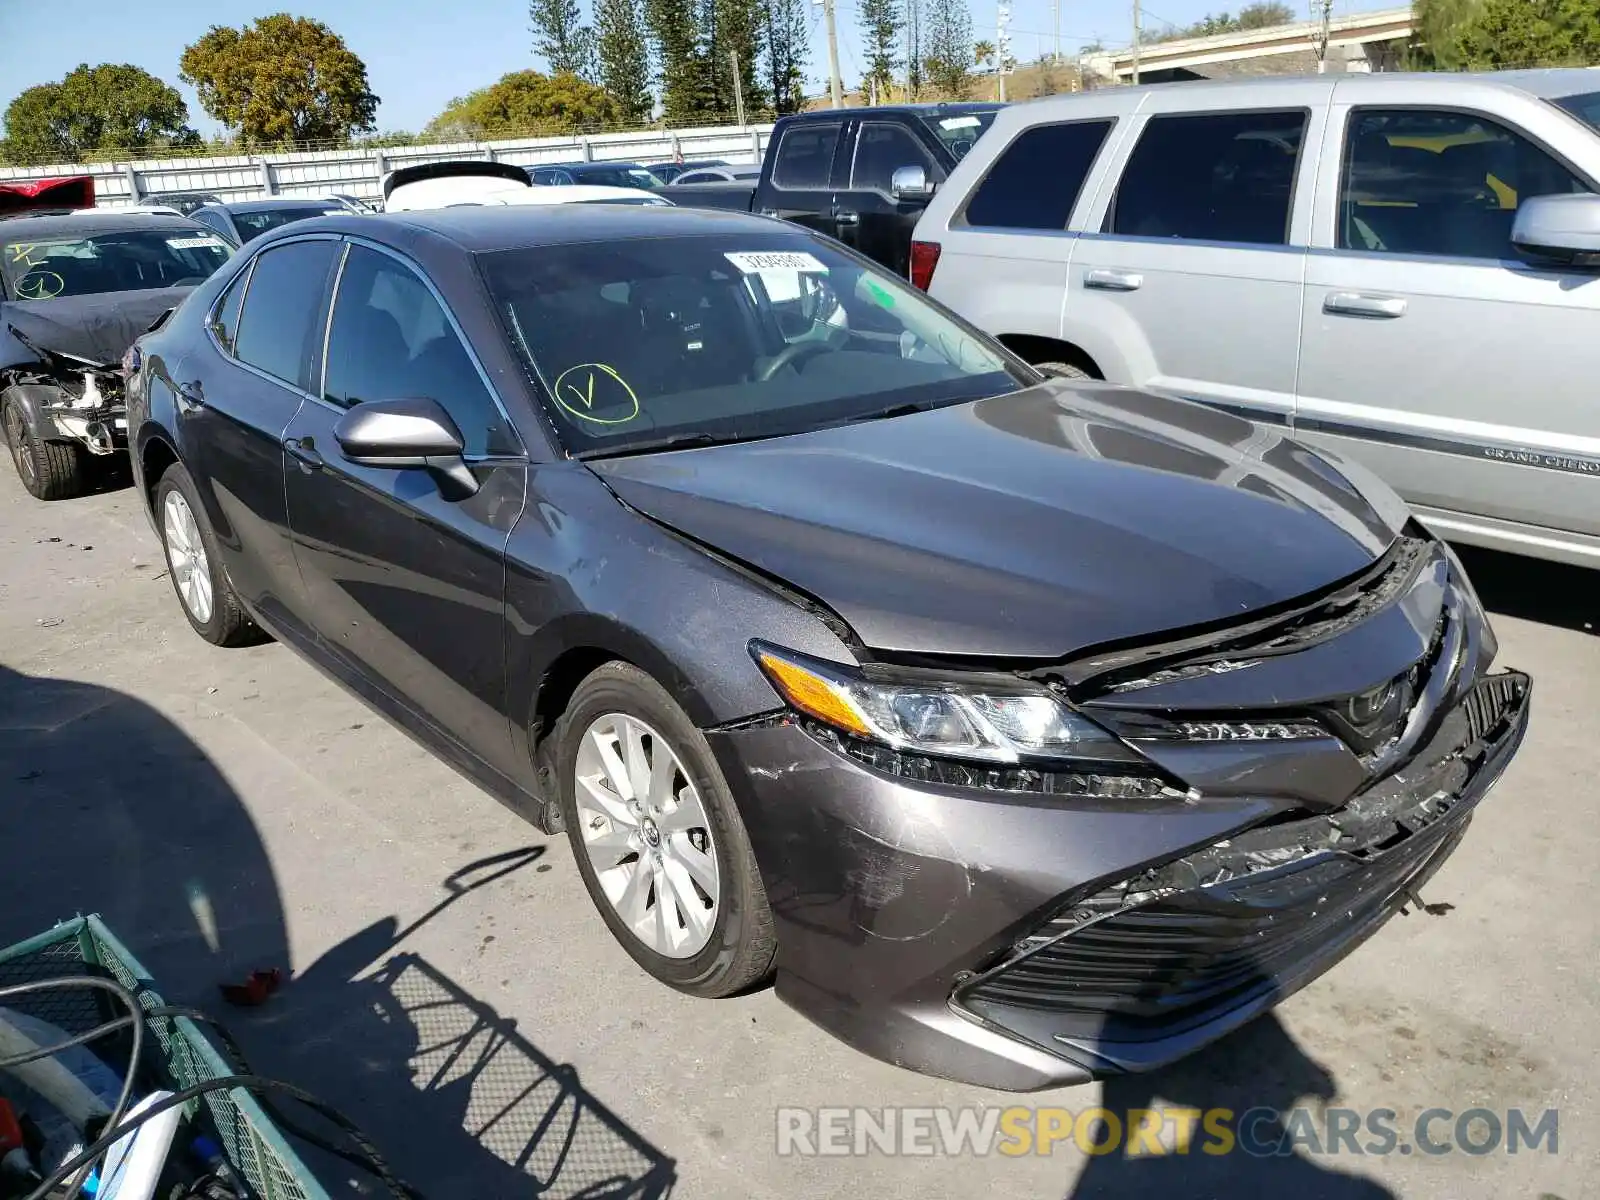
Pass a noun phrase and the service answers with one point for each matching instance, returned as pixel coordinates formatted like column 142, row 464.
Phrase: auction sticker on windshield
column 754, row 263
column 195, row 243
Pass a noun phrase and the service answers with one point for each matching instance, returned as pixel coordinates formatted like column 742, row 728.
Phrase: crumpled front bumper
column 1022, row 940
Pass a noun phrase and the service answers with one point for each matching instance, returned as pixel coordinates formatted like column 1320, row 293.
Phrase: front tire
column 657, row 836
column 194, row 566
column 1062, row 370
column 48, row 470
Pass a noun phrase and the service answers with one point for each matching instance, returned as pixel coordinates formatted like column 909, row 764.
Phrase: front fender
column 585, row 573
column 32, row 399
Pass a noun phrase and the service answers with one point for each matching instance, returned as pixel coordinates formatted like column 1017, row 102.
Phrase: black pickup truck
column 862, row 175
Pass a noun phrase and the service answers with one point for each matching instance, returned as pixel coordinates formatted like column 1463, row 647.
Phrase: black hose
column 135, row 1018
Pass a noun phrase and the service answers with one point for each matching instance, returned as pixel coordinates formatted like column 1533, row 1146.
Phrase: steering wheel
column 790, row 355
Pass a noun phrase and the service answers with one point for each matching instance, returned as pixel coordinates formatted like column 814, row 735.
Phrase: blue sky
column 421, row 53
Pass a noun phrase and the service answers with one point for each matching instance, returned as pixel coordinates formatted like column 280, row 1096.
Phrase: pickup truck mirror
column 910, row 183
column 1563, row 229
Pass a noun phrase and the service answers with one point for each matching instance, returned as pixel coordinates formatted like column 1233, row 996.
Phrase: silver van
column 1403, row 268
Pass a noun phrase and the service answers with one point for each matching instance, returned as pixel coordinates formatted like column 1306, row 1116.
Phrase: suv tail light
column 924, row 258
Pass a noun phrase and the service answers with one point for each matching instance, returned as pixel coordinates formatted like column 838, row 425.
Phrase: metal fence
column 359, row 171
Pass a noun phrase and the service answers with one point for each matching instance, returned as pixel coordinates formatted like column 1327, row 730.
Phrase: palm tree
column 983, row 54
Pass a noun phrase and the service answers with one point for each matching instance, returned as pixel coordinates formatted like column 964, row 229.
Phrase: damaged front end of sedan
column 63, row 381
column 1130, row 973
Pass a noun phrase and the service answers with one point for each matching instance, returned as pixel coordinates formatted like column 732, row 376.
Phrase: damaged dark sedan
column 76, row 289
column 1025, row 730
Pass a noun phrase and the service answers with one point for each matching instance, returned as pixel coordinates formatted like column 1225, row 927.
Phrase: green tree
column 1251, row 16
column 282, row 79
column 1516, row 33
column 675, row 27
column 948, row 58
column 787, row 46
column 881, row 24
column 914, row 48
column 561, row 38
column 1436, row 29
column 736, row 26
column 623, row 57
column 111, row 105
column 983, row 54
column 526, row 102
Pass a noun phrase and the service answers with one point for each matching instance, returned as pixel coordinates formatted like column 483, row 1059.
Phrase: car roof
column 481, row 228
column 49, row 223
column 1545, row 83
column 275, row 202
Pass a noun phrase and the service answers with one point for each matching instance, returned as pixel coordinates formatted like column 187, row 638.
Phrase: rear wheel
column 657, row 836
column 49, row 470
column 203, row 590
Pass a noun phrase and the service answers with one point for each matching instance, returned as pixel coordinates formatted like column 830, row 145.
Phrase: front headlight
column 1001, row 724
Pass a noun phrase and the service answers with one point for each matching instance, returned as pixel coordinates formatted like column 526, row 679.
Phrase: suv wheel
column 49, row 470
column 207, row 598
column 1062, row 370
column 658, row 838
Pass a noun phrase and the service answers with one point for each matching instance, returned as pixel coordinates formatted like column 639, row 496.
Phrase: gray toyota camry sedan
column 1025, row 730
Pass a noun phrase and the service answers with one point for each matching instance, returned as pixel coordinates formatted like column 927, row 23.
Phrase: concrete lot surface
column 228, row 810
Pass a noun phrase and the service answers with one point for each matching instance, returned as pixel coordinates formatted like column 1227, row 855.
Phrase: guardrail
column 359, row 171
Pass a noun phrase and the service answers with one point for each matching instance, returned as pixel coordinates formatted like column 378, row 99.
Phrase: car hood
column 1030, row 525
column 98, row 327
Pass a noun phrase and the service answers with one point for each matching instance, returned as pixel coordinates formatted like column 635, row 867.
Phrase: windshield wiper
column 674, row 441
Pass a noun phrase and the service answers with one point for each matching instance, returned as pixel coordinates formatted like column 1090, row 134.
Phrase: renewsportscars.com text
column 1258, row 1132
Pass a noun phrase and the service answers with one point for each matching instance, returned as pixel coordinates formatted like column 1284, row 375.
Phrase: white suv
column 1400, row 267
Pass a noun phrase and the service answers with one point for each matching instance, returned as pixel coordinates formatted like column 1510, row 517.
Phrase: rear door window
column 1421, row 182
column 1035, row 182
column 1213, row 177
column 281, row 322
column 225, row 319
column 805, row 155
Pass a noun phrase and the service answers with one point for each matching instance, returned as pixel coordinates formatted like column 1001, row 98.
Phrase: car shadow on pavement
column 1534, row 589
column 107, row 806
column 1271, row 1088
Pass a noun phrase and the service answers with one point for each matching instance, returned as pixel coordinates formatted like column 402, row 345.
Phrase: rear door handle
column 1358, row 304
column 304, row 453
column 846, row 217
column 1112, row 281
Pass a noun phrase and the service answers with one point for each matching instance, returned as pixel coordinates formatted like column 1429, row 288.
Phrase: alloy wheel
column 647, row 835
column 17, row 439
column 186, row 557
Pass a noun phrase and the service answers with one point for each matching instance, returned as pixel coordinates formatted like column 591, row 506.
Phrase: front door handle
column 845, row 217
column 190, row 395
column 1112, row 281
column 1358, row 304
column 304, row 452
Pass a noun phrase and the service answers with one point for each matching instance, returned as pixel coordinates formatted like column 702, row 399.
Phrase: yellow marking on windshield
column 578, row 398
column 23, row 253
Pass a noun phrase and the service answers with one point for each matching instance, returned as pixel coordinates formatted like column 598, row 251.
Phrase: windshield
column 959, row 130
column 721, row 338
column 125, row 261
column 254, row 224
column 1585, row 107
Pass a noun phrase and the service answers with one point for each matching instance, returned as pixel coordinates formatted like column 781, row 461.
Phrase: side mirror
column 910, row 183
column 407, row 433
column 1561, row 229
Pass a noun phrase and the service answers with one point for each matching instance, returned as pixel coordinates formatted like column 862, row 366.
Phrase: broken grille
column 1180, row 943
